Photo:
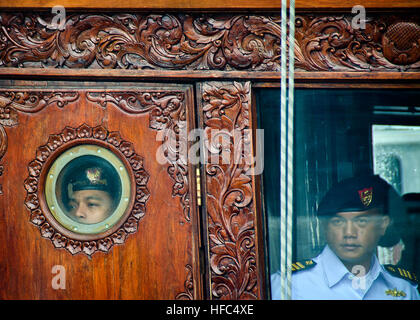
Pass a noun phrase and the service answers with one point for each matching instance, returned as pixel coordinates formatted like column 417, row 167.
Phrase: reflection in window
column 269, row 119
column 388, row 166
column 396, row 151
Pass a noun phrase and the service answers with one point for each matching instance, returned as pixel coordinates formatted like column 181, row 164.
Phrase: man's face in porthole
column 353, row 236
column 90, row 206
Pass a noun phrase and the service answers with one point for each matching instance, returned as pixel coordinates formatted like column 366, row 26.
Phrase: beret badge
column 366, row 196
column 94, row 176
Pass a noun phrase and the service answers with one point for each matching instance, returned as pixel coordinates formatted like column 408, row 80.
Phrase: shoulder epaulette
column 401, row 273
column 303, row 265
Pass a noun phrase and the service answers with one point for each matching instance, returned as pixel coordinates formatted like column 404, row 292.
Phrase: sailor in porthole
column 90, row 189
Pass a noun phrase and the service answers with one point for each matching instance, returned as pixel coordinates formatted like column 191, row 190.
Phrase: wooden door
column 151, row 252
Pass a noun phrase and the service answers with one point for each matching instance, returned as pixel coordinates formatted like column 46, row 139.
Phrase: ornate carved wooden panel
column 324, row 42
column 159, row 260
column 141, row 42
column 235, row 269
column 331, row 43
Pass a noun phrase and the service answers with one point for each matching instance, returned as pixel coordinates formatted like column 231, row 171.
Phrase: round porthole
column 87, row 189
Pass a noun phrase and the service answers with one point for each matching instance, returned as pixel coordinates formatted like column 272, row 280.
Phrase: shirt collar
column 335, row 270
column 375, row 268
column 385, row 275
column 374, row 272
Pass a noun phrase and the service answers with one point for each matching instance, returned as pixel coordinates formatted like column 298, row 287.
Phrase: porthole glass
column 87, row 189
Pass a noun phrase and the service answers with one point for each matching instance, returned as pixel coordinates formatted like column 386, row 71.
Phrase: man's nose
column 350, row 229
column 81, row 212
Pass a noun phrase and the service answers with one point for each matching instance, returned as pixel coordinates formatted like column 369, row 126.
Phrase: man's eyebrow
column 94, row 198
column 364, row 214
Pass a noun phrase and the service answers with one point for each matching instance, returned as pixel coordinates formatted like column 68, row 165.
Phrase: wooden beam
column 203, row 4
column 191, row 75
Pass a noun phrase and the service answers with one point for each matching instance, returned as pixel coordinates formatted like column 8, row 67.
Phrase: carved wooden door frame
column 233, row 221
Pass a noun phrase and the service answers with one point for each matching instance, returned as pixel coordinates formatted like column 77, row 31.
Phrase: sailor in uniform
column 354, row 215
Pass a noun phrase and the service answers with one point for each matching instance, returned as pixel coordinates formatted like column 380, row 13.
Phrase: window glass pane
column 347, row 135
column 396, row 151
column 269, row 118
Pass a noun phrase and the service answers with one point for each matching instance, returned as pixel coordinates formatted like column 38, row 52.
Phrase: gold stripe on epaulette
column 295, row 267
column 302, row 265
column 390, row 268
column 399, row 272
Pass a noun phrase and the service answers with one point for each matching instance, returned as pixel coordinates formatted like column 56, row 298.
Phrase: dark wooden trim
column 206, row 4
column 346, row 76
column 192, row 75
column 196, row 268
column 357, row 85
column 260, row 223
column 204, row 219
column 142, row 75
column 344, row 85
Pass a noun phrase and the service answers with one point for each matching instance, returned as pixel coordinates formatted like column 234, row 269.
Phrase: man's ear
column 384, row 224
column 323, row 221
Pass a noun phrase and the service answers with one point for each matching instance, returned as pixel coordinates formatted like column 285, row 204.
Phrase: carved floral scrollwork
column 209, row 42
column 3, row 144
column 130, row 41
column 229, row 198
column 8, row 115
column 188, row 294
column 3, row 148
column 167, row 112
column 11, row 102
column 330, row 43
column 7, row 118
column 39, row 218
column 35, row 101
